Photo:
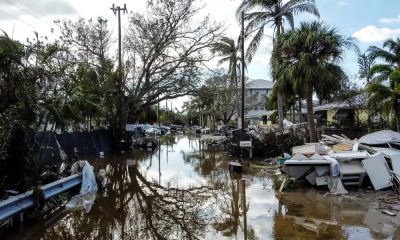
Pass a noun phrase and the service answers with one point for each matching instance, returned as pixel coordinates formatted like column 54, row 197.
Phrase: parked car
column 153, row 131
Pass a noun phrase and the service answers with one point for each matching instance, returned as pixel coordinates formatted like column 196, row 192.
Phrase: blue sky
column 368, row 21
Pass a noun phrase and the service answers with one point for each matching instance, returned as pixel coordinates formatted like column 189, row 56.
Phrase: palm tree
column 309, row 57
column 388, row 97
column 227, row 49
column 365, row 62
column 273, row 13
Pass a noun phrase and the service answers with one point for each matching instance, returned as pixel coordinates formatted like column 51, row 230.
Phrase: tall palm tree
column 272, row 13
column 365, row 63
column 309, row 57
column 388, row 97
column 227, row 49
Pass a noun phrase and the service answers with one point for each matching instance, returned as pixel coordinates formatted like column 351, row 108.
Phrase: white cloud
column 390, row 20
column 343, row 3
column 371, row 34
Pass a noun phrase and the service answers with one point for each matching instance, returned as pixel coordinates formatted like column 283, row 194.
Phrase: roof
column 358, row 101
column 259, row 84
column 257, row 113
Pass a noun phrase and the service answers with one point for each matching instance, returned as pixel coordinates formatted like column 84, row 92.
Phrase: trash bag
column 87, row 194
column 89, row 183
column 84, row 201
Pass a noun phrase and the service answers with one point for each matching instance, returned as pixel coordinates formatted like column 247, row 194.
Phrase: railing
column 19, row 203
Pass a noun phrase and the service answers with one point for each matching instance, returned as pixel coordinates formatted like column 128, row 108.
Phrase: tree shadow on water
column 132, row 207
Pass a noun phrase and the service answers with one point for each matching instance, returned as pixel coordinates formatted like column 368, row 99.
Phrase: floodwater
column 182, row 191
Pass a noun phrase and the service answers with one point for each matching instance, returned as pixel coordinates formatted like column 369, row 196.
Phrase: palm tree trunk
column 300, row 109
column 279, row 95
column 236, row 90
column 280, row 109
column 397, row 116
column 310, row 118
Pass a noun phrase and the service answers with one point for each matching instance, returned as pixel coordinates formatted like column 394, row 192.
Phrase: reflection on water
column 182, row 191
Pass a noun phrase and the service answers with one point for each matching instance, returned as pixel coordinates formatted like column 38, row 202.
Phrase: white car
column 153, row 130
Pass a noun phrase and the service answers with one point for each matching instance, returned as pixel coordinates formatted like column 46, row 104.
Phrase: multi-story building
column 256, row 93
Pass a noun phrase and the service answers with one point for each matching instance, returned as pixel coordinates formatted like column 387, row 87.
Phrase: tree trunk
column 236, row 91
column 293, row 115
column 280, row 109
column 300, row 109
column 279, row 95
column 310, row 118
column 397, row 115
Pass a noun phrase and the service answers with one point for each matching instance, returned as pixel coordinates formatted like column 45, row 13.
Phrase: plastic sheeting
column 287, row 123
column 380, row 137
column 335, row 186
column 87, row 194
column 334, row 166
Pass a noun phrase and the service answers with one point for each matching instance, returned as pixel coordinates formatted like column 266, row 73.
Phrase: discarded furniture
column 378, row 171
column 352, row 173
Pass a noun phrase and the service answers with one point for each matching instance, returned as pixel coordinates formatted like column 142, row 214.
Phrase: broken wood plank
column 283, row 184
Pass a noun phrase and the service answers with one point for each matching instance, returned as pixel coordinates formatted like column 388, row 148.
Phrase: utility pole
column 242, row 36
column 118, row 9
column 166, row 110
column 158, row 114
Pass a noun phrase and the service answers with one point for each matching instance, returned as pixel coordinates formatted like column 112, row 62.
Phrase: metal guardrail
column 21, row 202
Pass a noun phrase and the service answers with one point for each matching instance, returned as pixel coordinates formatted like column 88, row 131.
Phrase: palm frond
column 254, row 44
column 289, row 18
column 256, row 20
column 306, row 7
column 380, row 72
column 365, row 63
column 378, row 53
column 379, row 90
column 224, row 60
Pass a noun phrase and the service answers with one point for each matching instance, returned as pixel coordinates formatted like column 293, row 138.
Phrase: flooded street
column 182, row 191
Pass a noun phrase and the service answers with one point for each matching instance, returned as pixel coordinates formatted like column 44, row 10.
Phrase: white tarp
column 381, row 137
column 87, row 194
column 335, row 186
column 287, row 123
column 334, row 166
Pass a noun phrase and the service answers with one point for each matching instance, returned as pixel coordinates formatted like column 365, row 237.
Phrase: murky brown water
column 184, row 192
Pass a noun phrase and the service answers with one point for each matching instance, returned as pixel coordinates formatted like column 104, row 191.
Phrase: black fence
column 76, row 144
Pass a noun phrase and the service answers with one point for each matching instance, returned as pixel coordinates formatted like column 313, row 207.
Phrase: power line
column 24, row 10
column 26, row 5
column 17, row 18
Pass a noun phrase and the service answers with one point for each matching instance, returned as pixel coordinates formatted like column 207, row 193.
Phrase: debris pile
column 214, row 141
column 337, row 161
column 278, row 141
column 268, row 141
